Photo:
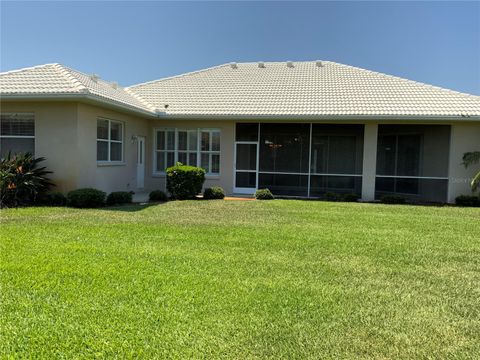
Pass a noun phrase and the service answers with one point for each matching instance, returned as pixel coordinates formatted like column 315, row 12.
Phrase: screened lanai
column 310, row 160
column 298, row 159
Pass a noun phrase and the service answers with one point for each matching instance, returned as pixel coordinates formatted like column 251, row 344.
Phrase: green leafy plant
column 331, row 196
column 350, row 197
column 471, row 158
column 215, row 192
column 185, row 182
column 468, row 200
column 22, row 179
column 393, row 199
column 158, row 195
column 264, row 194
column 86, row 198
column 52, row 199
column 119, row 197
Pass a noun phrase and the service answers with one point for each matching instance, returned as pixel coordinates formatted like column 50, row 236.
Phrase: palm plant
column 469, row 159
column 21, row 179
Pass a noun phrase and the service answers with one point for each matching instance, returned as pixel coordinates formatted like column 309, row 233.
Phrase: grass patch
column 234, row 279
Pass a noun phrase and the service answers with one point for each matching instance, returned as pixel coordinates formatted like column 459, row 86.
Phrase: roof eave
column 77, row 97
column 320, row 117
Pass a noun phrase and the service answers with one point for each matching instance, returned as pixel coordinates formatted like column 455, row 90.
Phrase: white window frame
column 109, row 141
column 19, row 136
column 176, row 148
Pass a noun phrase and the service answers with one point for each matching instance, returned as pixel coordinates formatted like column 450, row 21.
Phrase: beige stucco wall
column 118, row 177
column 464, row 138
column 55, row 137
column 65, row 134
column 227, row 131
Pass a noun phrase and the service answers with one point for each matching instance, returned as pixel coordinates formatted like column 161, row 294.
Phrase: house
column 297, row 128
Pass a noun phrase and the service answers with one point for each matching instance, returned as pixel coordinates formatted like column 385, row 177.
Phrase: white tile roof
column 333, row 89
column 246, row 90
column 58, row 80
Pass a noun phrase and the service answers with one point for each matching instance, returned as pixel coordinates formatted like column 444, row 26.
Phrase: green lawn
column 238, row 280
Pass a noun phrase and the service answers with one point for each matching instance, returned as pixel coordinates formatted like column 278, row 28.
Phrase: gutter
column 79, row 97
column 267, row 117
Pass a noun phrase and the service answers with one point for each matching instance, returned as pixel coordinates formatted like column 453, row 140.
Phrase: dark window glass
column 246, row 132
column 336, row 184
column 337, row 149
column 102, row 129
column 386, row 153
column 16, row 145
column 414, row 190
column 160, row 140
column 281, row 184
column 246, row 157
column 17, row 125
column 408, row 155
column 284, row 147
column 245, row 179
column 115, row 151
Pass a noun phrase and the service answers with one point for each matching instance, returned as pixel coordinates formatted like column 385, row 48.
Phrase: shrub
column 21, row 179
column 393, row 199
column 185, row 182
column 215, row 192
column 331, row 196
column 86, row 198
column 263, row 194
column 119, row 197
column 158, row 195
column 468, row 200
column 350, row 197
column 52, row 199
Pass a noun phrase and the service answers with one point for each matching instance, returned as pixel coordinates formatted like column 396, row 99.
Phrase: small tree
column 471, row 158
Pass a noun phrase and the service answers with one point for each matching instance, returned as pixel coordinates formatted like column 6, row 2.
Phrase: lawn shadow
column 134, row 207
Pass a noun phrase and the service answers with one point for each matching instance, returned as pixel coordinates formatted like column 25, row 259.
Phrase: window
column 109, row 140
column 17, row 133
column 194, row 147
column 210, row 151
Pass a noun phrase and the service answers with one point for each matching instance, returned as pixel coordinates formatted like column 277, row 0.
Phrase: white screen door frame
column 240, row 189
column 140, row 162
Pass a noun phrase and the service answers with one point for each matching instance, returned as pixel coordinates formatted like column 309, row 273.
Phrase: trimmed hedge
column 393, row 199
column 119, row 197
column 331, row 196
column 468, row 200
column 264, row 194
column 185, row 182
column 350, row 197
column 52, row 199
column 215, row 192
column 158, row 195
column 86, row 198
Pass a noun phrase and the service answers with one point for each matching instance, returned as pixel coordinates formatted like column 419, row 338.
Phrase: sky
column 132, row 42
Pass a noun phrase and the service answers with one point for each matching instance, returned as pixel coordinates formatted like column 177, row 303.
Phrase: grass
column 240, row 280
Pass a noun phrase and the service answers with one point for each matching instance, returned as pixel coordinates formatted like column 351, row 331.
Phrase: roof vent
column 94, row 77
column 318, row 63
column 114, row 85
column 261, row 64
column 233, row 65
column 290, row 64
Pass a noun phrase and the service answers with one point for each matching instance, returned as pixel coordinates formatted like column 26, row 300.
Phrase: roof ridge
column 27, row 68
column 67, row 73
column 403, row 79
column 178, row 76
